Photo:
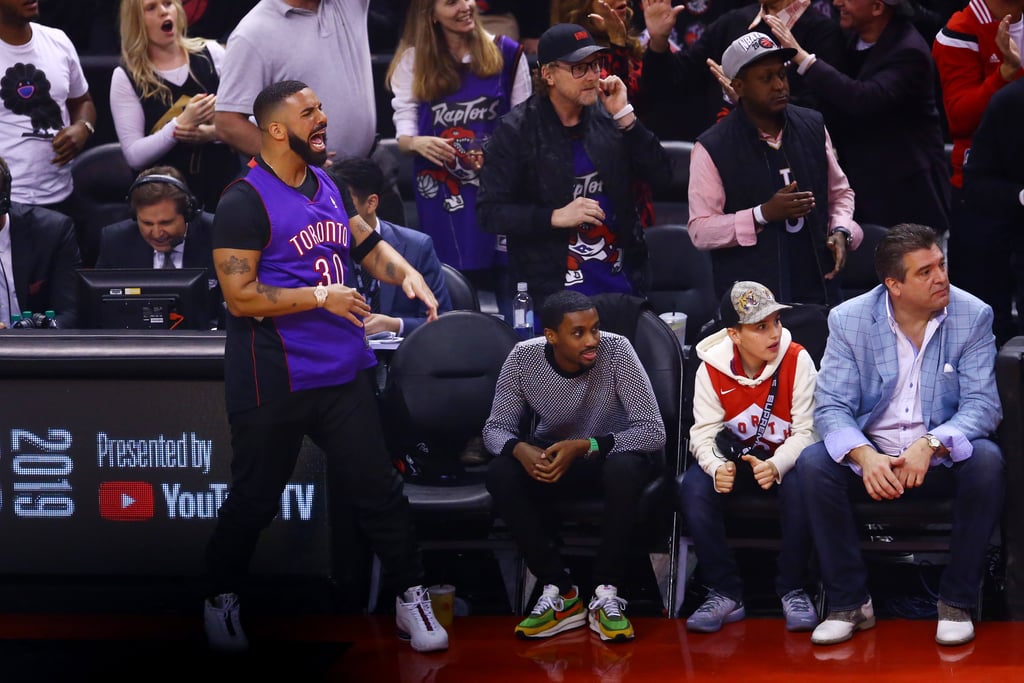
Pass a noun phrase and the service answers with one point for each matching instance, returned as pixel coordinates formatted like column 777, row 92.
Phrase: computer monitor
column 144, row 298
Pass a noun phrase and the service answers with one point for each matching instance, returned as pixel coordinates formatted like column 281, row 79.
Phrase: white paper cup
column 677, row 321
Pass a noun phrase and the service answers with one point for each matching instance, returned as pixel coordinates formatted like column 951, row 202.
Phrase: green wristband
column 594, row 447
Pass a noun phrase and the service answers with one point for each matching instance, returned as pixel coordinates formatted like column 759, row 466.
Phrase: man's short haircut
column 273, row 95
column 363, row 177
column 897, row 242
column 558, row 304
column 148, row 194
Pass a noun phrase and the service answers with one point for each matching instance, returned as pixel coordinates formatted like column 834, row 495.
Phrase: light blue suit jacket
column 959, row 400
column 418, row 249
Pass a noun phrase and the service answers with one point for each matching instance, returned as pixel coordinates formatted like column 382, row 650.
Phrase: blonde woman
column 162, row 98
column 452, row 81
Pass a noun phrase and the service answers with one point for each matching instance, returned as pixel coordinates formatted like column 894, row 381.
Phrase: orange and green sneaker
column 606, row 617
column 554, row 613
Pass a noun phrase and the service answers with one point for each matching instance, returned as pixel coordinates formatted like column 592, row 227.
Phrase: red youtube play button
column 126, row 501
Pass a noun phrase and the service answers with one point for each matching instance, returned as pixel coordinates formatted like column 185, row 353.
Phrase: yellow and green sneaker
column 606, row 617
column 553, row 614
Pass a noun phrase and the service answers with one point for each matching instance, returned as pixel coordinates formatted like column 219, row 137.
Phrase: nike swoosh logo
column 726, row 391
column 562, row 614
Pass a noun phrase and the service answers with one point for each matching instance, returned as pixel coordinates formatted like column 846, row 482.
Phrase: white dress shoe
column 840, row 626
column 955, row 626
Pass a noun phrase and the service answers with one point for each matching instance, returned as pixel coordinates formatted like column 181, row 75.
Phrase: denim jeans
column 830, row 489
column 705, row 509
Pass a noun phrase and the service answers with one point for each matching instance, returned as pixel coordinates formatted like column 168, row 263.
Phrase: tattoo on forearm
column 390, row 269
column 234, row 266
column 360, row 227
column 272, row 293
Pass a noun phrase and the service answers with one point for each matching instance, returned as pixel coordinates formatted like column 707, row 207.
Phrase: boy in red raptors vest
column 753, row 412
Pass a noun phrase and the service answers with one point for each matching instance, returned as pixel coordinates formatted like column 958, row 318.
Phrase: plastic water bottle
column 522, row 312
column 25, row 322
column 51, row 320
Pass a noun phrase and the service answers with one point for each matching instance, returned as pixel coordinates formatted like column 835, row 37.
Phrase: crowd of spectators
column 895, row 82
column 536, row 133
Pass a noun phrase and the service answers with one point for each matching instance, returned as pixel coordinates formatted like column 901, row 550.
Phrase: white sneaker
column 223, row 625
column 840, row 626
column 415, row 619
column 955, row 626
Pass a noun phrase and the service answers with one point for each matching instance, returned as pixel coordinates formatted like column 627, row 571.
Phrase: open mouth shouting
column 318, row 139
column 167, row 27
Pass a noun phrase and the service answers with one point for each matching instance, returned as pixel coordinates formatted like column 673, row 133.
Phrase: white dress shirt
column 901, row 423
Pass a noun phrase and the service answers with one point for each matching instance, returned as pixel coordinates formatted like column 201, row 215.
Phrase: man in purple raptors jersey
column 295, row 358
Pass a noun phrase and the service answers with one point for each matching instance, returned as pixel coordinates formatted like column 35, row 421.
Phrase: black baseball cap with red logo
column 568, row 43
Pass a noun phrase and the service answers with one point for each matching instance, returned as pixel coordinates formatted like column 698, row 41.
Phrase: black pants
column 343, row 421
column 525, row 505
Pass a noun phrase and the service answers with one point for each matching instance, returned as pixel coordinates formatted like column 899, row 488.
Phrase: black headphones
column 192, row 207
column 5, row 191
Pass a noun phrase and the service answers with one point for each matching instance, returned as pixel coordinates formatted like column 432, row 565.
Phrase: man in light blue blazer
column 392, row 310
column 906, row 402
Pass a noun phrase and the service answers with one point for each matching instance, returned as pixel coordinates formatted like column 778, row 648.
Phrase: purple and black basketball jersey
column 309, row 245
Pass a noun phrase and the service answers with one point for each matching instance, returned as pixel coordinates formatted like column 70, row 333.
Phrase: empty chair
column 679, row 277
column 102, row 178
column 440, row 388
column 460, row 290
column 859, row 274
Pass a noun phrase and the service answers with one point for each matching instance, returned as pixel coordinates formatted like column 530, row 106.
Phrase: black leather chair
column 460, row 289
column 661, row 356
column 1010, row 378
column 406, row 182
column 102, row 178
column 859, row 275
column 679, row 277
column 440, row 388
column 671, row 204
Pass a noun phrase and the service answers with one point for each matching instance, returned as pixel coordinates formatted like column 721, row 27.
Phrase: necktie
column 168, row 260
column 369, row 287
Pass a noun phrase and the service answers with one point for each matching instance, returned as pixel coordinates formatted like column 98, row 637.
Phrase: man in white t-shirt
column 47, row 114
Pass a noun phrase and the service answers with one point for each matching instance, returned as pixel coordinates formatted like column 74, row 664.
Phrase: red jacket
column 968, row 61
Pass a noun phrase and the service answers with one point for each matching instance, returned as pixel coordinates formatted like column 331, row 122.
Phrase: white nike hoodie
column 709, row 414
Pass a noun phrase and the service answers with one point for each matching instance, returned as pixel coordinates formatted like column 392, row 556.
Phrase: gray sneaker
column 800, row 614
column 716, row 611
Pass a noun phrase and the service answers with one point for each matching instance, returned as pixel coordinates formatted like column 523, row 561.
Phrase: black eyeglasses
column 580, row 69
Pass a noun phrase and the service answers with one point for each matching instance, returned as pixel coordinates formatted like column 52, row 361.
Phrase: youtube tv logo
column 126, row 501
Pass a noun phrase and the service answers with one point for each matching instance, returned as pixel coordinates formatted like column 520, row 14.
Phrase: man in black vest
column 766, row 194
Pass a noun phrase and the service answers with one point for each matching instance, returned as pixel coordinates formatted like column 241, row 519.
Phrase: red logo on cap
column 766, row 43
column 580, row 35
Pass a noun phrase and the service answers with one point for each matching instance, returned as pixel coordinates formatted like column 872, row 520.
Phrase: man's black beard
column 302, row 148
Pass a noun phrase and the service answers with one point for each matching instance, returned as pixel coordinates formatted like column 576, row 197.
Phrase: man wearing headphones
column 169, row 231
column 38, row 258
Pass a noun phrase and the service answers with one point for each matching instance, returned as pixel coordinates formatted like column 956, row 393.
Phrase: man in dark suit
column 881, row 110
column 38, row 258
column 392, row 310
column 168, row 231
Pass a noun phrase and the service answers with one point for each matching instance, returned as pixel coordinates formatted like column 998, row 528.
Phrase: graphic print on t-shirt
column 25, row 91
column 594, row 261
column 455, row 118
